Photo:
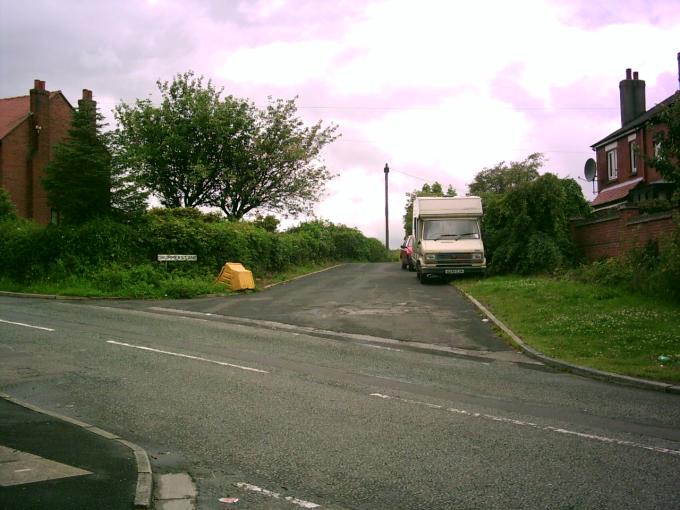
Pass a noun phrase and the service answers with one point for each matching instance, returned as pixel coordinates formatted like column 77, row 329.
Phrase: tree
column 504, row 177
column 198, row 149
column 526, row 229
column 274, row 163
column 667, row 158
column 7, row 209
column 129, row 197
column 428, row 190
column 78, row 178
column 270, row 223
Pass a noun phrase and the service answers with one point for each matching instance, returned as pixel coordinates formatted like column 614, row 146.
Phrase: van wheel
column 420, row 275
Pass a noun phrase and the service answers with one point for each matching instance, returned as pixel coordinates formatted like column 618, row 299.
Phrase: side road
column 51, row 461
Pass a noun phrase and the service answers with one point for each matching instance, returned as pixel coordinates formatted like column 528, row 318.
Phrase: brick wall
column 60, row 116
column 620, row 230
column 25, row 152
column 14, row 160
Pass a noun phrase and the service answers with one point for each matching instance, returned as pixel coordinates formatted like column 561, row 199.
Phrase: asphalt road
column 343, row 421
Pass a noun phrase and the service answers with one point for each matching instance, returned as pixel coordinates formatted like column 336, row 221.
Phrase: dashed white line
column 521, row 423
column 187, row 356
column 26, row 325
column 380, row 347
column 295, row 501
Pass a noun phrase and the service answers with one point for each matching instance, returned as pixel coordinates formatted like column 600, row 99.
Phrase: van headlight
column 430, row 257
column 477, row 256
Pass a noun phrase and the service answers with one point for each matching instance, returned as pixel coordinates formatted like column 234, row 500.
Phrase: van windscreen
column 451, row 229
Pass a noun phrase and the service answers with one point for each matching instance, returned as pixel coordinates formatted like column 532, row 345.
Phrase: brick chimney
column 633, row 101
column 39, row 104
column 87, row 104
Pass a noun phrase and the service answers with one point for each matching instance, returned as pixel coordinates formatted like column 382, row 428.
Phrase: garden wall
column 615, row 232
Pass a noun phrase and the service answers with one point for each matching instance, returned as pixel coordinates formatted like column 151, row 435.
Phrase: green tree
column 198, row 148
column 526, row 229
column 503, row 177
column 274, row 163
column 270, row 222
column 428, row 190
column 78, row 178
column 667, row 158
column 7, row 209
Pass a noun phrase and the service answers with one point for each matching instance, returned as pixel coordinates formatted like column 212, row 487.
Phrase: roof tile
column 12, row 111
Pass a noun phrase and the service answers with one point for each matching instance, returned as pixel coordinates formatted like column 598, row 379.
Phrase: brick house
column 626, row 182
column 30, row 126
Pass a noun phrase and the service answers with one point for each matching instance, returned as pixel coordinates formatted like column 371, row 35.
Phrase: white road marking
column 557, row 430
column 26, row 325
column 299, row 502
column 188, row 356
column 381, row 347
column 19, row 468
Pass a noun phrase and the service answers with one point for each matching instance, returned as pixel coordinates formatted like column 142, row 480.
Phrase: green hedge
column 29, row 252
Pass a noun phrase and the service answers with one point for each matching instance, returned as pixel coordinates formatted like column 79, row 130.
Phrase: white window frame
column 612, row 164
column 657, row 149
column 633, row 151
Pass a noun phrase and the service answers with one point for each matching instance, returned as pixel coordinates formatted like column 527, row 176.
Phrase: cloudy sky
column 439, row 89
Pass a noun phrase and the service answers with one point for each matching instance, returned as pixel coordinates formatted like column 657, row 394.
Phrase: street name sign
column 167, row 258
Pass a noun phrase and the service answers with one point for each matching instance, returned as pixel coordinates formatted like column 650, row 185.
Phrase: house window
column 633, row 147
column 657, row 149
column 612, row 169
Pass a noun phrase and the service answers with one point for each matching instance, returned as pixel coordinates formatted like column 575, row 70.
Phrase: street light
column 387, row 225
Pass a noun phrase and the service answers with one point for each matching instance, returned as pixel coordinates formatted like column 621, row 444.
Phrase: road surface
column 317, row 391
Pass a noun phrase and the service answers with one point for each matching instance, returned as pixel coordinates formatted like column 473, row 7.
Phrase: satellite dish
column 590, row 170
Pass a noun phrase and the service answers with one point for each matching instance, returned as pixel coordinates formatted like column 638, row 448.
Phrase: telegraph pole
column 387, row 224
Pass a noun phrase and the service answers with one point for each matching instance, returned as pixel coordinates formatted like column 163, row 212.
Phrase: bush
column 113, row 256
column 653, row 269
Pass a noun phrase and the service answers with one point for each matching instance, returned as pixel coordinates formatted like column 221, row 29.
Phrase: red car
column 406, row 254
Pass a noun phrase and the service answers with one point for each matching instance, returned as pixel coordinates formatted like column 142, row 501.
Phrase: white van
column 448, row 236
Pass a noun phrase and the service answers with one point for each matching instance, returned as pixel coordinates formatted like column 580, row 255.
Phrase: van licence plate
column 454, row 271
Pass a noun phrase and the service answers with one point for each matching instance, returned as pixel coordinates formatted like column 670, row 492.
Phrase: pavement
column 51, row 461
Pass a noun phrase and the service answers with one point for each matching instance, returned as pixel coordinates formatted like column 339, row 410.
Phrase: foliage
column 667, row 159
column 121, row 257
column 505, row 177
column 270, row 222
column 274, row 163
column 129, row 197
column 198, row 148
column 77, row 179
column 653, row 269
column 428, row 190
column 526, row 229
column 7, row 209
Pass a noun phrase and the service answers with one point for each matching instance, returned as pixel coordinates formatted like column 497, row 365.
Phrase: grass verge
column 591, row 325
column 144, row 282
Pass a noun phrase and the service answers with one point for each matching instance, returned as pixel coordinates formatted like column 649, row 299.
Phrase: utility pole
column 387, row 223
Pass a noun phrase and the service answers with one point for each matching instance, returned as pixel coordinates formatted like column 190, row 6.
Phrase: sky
column 437, row 89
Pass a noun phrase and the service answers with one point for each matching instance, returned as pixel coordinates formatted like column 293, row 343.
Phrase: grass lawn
column 590, row 325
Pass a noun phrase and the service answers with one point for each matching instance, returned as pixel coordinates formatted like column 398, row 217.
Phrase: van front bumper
column 451, row 271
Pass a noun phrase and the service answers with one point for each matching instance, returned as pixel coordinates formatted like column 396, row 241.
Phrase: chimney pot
column 38, row 84
column 635, row 75
column 628, row 71
column 87, row 94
